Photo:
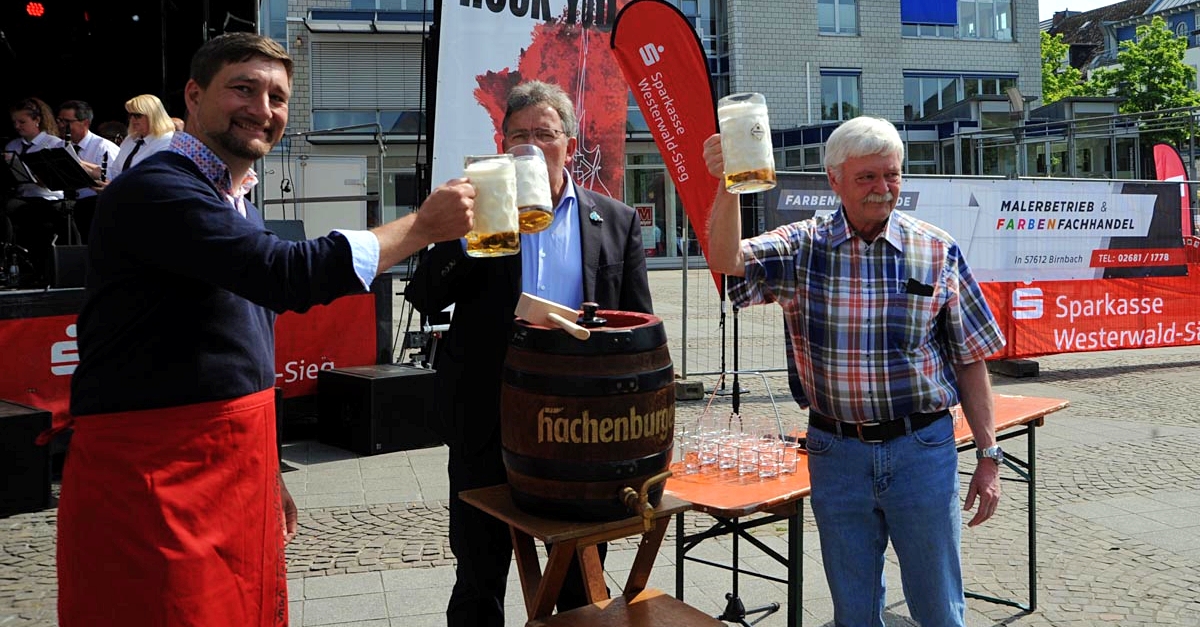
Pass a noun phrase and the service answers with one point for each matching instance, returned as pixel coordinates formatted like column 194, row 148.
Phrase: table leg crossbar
column 735, row 610
column 1026, row 474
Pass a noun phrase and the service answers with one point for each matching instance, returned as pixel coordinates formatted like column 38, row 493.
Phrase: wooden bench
column 649, row 608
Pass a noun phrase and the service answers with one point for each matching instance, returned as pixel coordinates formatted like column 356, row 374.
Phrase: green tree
column 1059, row 79
column 1150, row 73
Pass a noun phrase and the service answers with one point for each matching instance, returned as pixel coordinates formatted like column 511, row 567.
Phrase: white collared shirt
column 153, row 144
column 93, row 148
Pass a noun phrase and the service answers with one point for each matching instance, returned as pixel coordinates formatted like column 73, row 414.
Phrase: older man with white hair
column 889, row 330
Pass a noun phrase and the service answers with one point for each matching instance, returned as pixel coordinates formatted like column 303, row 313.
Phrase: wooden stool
column 569, row 538
column 650, row 608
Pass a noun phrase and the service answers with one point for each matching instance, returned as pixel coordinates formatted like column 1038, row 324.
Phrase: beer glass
column 495, row 181
column 533, row 188
column 746, row 143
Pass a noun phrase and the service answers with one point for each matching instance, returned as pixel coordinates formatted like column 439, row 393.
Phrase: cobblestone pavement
column 1130, row 439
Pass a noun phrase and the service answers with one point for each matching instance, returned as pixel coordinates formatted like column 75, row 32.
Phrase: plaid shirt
column 877, row 328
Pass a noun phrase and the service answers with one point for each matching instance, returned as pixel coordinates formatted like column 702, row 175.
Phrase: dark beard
column 240, row 148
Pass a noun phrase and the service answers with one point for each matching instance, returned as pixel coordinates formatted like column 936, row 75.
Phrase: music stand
column 14, row 173
column 56, row 168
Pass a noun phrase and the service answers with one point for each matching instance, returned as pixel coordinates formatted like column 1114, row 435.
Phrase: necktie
column 129, row 160
column 25, row 146
column 77, row 147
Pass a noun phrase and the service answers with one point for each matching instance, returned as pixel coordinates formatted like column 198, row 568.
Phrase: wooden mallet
column 548, row 313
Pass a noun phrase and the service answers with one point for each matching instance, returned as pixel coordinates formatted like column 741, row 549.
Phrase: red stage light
column 35, row 9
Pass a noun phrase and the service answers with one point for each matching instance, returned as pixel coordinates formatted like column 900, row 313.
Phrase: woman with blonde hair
column 150, row 130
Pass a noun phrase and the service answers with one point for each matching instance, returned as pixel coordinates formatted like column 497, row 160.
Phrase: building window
column 393, row 5
column 367, row 81
column 985, row 19
column 964, row 19
column 926, row 94
column 837, row 16
column 927, row 30
column 273, row 17
column 840, row 98
column 635, row 122
column 921, row 157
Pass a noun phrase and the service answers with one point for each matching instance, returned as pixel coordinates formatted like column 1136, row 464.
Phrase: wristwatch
column 994, row 453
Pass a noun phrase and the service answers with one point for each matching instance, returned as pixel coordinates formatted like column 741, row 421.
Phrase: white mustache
column 880, row 197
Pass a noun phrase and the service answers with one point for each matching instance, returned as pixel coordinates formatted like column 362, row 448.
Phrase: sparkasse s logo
column 1027, row 303
column 650, row 54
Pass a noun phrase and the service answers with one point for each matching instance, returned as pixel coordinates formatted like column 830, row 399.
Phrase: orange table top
column 729, row 495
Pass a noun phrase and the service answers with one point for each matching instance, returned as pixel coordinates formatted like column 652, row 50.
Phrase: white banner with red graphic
column 487, row 47
column 1067, row 266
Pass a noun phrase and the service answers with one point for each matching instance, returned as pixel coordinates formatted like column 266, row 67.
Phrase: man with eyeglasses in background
column 94, row 153
column 592, row 251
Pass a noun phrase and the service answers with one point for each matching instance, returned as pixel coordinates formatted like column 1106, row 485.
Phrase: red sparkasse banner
column 336, row 335
column 42, row 355
column 663, row 62
column 331, row 336
column 1051, row 317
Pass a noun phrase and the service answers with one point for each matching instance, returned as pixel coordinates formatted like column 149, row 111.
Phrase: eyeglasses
column 136, row 116
column 541, row 135
column 66, row 121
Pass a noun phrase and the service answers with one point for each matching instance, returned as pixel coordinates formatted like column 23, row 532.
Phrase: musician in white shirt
column 150, row 130
column 33, row 120
column 30, row 218
column 94, row 153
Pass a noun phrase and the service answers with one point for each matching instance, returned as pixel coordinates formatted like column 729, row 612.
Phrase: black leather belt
column 874, row 431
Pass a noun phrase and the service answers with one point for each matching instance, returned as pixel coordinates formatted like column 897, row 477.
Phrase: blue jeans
column 905, row 489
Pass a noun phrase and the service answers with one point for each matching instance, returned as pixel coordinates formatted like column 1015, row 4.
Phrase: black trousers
column 483, row 547
column 83, row 212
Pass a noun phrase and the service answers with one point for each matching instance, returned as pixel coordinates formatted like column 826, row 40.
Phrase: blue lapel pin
column 595, row 218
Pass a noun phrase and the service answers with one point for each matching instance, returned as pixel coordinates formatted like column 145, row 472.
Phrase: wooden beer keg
column 582, row 420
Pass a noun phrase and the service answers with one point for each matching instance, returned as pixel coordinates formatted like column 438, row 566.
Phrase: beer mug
column 495, row 181
column 533, row 188
column 746, row 143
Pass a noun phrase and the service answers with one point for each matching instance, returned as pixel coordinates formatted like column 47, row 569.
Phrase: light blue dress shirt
column 552, row 260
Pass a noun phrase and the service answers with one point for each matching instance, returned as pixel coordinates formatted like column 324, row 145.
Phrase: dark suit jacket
column 470, row 356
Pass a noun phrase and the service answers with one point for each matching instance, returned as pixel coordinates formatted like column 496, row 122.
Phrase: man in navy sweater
column 172, row 509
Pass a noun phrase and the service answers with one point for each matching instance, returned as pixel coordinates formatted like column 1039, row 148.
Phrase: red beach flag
column 1169, row 167
column 664, row 64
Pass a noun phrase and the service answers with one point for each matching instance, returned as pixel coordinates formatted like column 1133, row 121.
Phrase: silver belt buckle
column 859, row 427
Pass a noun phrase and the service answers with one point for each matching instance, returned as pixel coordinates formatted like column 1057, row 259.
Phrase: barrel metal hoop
column 606, row 342
column 576, row 470
column 590, row 385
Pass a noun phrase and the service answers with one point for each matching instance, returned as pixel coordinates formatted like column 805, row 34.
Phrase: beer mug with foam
column 533, row 188
column 496, row 230
column 746, row 143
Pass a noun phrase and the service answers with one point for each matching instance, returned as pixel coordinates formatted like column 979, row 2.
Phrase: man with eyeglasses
column 592, row 251
column 94, row 154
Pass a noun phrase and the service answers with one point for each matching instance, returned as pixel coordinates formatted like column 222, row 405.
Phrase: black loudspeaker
column 292, row 230
column 24, row 466
column 68, row 266
column 376, row 409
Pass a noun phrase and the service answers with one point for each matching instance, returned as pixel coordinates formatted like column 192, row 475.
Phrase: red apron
column 171, row 517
